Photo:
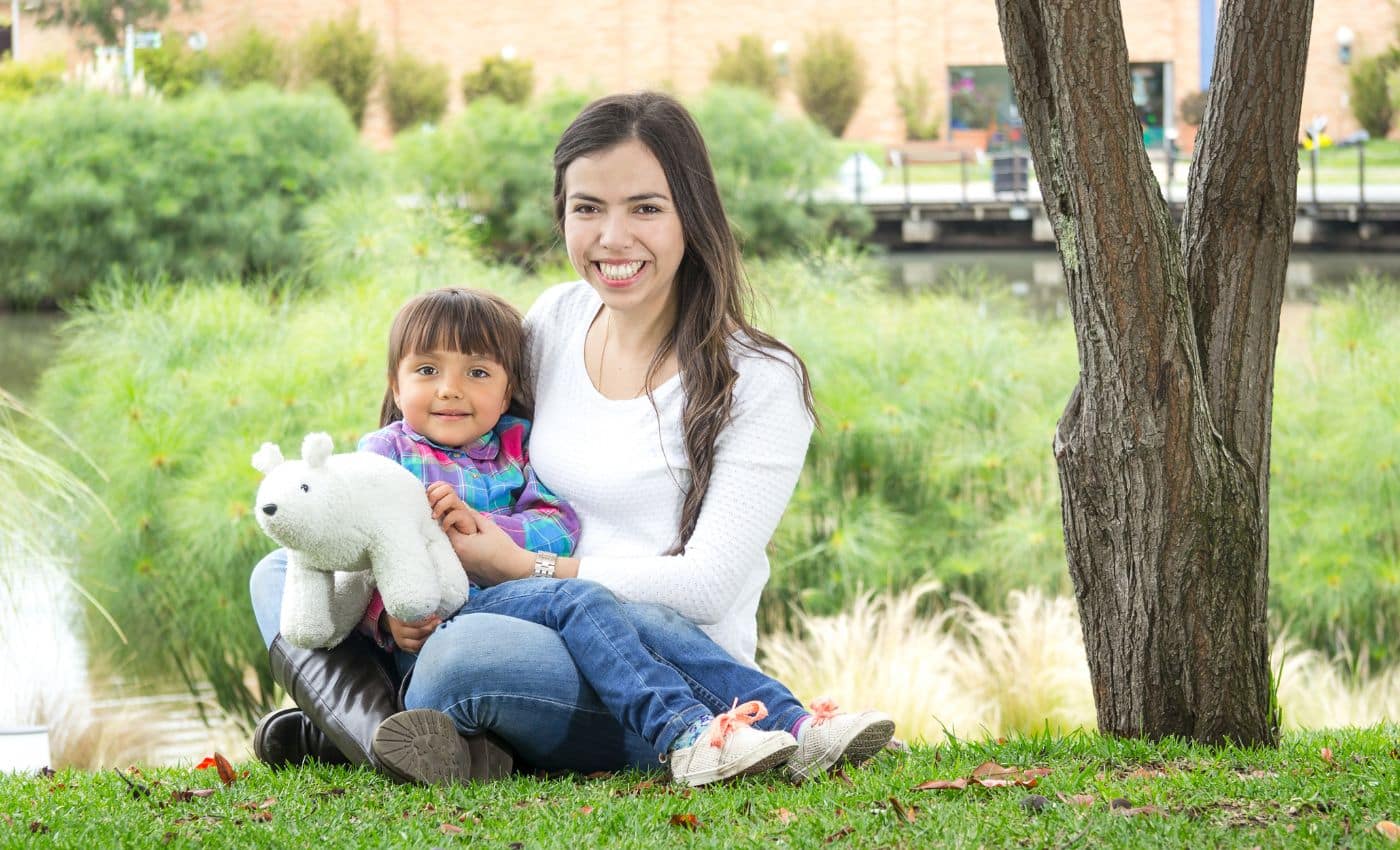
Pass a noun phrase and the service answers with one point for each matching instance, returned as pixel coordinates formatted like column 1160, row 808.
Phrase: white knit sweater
column 625, row 473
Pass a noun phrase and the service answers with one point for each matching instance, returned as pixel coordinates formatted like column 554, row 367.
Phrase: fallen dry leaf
column 993, row 782
column 991, row 768
column 181, row 796
column 1076, row 799
column 37, row 828
column 1134, row 811
column 449, row 829
column 1389, row 830
column 942, row 785
column 785, row 816
column 263, row 815
column 839, row 834
column 226, row 773
column 585, row 810
column 205, row 763
column 907, row 815
column 202, row 792
column 1326, row 754
column 687, row 821
column 1146, row 773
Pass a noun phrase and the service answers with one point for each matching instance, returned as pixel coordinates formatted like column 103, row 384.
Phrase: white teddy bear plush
column 339, row 516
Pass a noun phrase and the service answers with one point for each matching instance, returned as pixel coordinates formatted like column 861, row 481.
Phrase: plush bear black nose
column 269, row 509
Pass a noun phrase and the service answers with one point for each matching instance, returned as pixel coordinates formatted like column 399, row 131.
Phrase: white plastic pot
column 24, row 748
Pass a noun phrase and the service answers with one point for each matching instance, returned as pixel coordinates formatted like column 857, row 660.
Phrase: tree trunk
column 1163, row 448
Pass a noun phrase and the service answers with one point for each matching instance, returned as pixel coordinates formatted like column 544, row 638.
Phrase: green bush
column 749, row 64
column 492, row 165
column 1370, row 95
column 767, row 166
column 415, row 92
column 173, row 69
column 916, row 103
column 511, row 80
column 212, row 185
column 192, row 380
column 830, row 80
column 23, row 80
column 1335, row 496
column 343, row 56
column 253, row 56
column 1193, row 108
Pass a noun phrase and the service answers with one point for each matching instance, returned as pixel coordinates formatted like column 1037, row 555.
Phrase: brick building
column 612, row 45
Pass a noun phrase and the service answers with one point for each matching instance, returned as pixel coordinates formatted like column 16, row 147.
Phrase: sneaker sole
column 762, row 760
column 859, row 748
column 422, row 745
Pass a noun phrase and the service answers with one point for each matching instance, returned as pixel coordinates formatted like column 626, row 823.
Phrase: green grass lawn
column 1325, row 789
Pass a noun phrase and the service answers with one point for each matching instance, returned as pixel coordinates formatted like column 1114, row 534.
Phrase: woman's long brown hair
column 713, row 295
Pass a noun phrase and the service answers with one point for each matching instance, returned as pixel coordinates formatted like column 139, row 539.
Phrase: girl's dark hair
column 468, row 321
column 713, row 296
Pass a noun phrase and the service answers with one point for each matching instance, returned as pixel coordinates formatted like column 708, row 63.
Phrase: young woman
column 676, row 430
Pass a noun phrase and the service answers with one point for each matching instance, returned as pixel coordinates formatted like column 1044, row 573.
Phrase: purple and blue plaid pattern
column 492, row 475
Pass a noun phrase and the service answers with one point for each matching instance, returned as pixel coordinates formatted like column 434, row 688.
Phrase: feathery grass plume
column 967, row 672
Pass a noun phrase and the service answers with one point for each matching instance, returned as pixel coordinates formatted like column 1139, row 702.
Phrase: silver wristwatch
column 544, row 564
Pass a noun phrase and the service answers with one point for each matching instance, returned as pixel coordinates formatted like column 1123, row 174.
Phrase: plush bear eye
column 305, row 489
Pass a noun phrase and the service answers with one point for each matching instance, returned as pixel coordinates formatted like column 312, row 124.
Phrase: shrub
column 830, row 80
column 749, row 64
column 767, row 166
column 511, row 80
column 343, row 56
column 195, row 379
column 1193, row 108
column 253, row 56
column 1370, row 95
column 173, row 69
column 23, row 80
column 415, row 92
column 491, row 166
column 212, row 185
column 916, row 103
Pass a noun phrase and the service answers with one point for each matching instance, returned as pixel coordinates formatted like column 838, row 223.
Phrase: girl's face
column 449, row 397
column 621, row 228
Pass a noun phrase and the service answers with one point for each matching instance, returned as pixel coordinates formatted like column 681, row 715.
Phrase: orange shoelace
column 738, row 715
column 823, row 709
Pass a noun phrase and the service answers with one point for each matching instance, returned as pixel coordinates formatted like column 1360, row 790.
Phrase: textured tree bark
column 1163, row 449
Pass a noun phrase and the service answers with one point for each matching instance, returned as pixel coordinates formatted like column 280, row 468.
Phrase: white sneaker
column 832, row 738
column 729, row 746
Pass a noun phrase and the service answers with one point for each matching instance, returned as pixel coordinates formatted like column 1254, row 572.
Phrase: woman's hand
column 489, row 556
column 410, row 636
column 449, row 510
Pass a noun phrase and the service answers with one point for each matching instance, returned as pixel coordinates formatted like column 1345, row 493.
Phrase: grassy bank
column 1323, row 789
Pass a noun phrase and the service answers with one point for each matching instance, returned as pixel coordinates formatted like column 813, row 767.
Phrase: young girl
column 455, row 358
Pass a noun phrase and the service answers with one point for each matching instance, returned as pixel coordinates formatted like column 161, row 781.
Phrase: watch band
column 544, row 564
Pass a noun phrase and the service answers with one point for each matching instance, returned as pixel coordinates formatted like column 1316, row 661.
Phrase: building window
column 979, row 97
column 1149, row 99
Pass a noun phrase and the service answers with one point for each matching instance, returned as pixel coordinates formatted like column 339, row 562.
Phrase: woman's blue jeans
column 496, row 673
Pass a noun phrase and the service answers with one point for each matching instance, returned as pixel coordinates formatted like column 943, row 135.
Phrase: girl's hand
column 410, row 636
column 490, row 557
column 449, row 510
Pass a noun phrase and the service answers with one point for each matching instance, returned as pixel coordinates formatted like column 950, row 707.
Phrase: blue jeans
column 497, row 673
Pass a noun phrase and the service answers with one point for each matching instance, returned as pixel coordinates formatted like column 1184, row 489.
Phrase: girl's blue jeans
column 499, row 666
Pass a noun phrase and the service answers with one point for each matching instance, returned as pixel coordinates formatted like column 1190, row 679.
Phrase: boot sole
column 859, row 748
column 423, row 746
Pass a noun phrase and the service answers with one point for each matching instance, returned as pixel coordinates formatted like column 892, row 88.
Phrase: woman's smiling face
column 621, row 227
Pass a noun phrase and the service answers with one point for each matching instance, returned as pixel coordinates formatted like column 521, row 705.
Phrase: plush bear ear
column 316, row 448
column 267, row 457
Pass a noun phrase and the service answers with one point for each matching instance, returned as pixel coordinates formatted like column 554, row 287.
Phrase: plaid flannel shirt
column 493, row 476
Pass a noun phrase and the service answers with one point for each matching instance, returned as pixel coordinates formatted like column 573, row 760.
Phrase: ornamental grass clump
column 1334, row 518
column 211, row 185
column 934, row 459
